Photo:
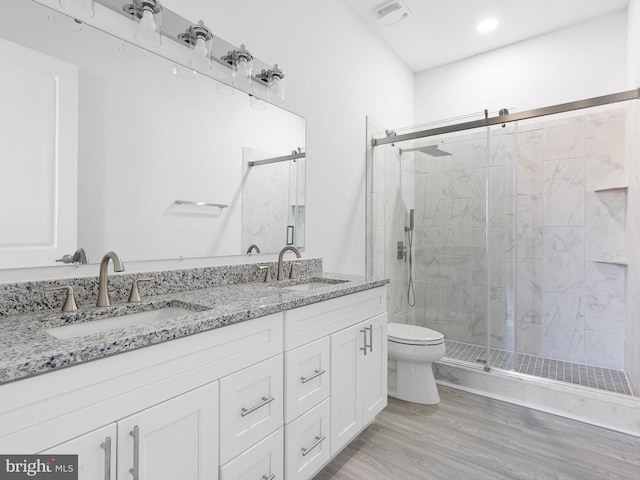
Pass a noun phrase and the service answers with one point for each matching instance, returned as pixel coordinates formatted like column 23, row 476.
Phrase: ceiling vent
column 390, row 13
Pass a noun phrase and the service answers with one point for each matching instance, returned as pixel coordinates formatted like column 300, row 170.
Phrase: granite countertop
column 28, row 349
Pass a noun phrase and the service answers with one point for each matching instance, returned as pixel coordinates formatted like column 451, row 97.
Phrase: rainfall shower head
column 432, row 150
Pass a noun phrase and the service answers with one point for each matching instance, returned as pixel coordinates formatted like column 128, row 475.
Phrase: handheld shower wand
column 411, row 294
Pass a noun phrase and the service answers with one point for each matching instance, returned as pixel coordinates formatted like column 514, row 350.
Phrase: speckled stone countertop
column 28, row 349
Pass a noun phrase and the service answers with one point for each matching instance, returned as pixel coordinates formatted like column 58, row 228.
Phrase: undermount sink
column 90, row 327
column 314, row 284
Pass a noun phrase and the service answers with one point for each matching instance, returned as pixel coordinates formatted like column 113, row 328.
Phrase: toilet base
column 415, row 383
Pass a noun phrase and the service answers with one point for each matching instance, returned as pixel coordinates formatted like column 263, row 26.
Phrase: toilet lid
column 413, row 334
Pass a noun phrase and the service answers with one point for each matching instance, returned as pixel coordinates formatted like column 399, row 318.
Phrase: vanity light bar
column 174, row 27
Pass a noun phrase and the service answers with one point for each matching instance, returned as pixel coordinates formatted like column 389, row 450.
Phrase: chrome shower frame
column 511, row 117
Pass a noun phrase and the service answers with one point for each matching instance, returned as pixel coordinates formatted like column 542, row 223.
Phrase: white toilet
column 412, row 350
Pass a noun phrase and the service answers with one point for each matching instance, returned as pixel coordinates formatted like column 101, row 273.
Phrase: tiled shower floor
column 585, row 375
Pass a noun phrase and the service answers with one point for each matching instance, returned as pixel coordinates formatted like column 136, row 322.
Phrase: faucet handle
column 134, row 294
column 294, row 274
column 267, row 274
column 69, row 302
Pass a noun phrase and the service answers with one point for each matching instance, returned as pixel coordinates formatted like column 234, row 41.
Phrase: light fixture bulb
column 147, row 33
column 487, row 25
column 276, row 89
column 243, row 68
column 147, row 23
column 243, row 74
column 275, row 86
column 200, row 55
column 200, row 48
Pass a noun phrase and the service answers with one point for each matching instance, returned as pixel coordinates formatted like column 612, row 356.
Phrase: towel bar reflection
column 201, row 204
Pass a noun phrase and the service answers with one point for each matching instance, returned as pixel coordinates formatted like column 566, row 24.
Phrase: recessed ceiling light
column 487, row 25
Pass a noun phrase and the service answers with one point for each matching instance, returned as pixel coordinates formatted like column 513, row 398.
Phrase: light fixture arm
column 138, row 7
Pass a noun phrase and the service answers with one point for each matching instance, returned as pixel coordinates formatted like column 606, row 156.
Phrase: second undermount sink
column 314, row 284
column 101, row 325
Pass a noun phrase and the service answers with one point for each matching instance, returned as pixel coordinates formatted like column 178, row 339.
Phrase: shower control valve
column 402, row 251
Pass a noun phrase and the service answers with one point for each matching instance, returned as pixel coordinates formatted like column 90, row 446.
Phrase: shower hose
column 411, row 294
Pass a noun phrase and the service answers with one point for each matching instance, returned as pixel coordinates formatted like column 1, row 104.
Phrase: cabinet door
column 307, row 441
column 251, row 406
column 307, row 375
column 347, row 355
column 96, row 452
column 175, row 439
column 262, row 461
column 375, row 368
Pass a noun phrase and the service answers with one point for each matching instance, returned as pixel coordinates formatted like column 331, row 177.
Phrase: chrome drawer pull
column 319, row 440
column 106, row 445
column 270, row 477
column 135, row 471
column 364, row 332
column 316, row 373
column 370, row 328
column 265, row 401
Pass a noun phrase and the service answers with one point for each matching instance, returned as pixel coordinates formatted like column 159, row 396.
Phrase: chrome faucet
column 103, row 292
column 288, row 247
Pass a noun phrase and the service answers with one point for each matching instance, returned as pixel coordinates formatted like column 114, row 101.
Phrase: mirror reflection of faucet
column 78, row 257
column 253, row 247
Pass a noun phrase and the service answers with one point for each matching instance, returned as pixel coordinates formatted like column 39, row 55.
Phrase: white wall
column 633, row 44
column 583, row 61
column 337, row 73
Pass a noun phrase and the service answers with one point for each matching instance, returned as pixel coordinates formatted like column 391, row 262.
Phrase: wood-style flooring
column 472, row 437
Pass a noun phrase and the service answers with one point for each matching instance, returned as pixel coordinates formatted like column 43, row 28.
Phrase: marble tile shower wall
column 571, row 238
column 632, row 332
column 567, row 247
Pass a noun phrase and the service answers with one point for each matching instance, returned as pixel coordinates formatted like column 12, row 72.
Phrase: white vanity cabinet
column 270, row 398
column 334, row 385
column 96, row 452
column 177, row 438
column 358, row 390
column 263, row 461
column 251, row 406
column 168, row 395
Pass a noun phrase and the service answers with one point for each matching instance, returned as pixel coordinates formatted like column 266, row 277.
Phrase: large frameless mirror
column 107, row 146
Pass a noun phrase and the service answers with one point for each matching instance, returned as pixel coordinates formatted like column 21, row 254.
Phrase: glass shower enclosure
column 516, row 252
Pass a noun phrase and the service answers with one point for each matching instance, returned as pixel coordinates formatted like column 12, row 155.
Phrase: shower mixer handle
column 402, row 251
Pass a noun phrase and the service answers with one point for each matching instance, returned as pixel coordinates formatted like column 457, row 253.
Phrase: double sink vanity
column 231, row 377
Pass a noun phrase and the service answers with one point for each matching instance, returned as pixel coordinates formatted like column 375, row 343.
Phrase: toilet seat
column 413, row 335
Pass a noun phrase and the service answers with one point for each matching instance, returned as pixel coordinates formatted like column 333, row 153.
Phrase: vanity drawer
column 307, row 380
column 307, row 442
column 311, row 322
column 251, row 406
column 263, row 460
